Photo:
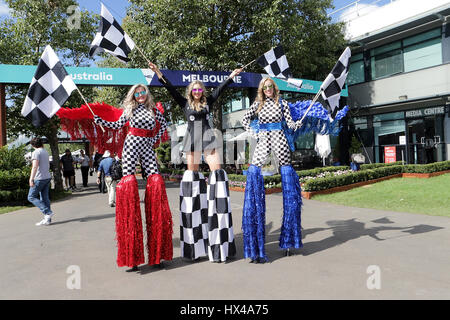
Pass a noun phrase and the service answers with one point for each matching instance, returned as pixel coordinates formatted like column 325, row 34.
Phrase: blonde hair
column 130, row 103
column 197, row 106
column 261, row 97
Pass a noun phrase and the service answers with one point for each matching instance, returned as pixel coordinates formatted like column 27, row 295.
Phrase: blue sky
column 118, row 7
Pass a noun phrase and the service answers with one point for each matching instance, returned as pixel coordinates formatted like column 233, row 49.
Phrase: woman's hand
column 155, row 69
column 235, row 72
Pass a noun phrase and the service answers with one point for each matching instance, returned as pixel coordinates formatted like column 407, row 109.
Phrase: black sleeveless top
column 199, row 135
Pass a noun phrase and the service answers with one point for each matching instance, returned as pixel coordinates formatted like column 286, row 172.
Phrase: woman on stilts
column 147, row 124
column 270, row 111
column 206, row 223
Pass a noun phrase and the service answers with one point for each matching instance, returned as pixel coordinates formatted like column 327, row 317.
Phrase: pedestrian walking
column 105, row 169
column 40, row 178
column 85, row 164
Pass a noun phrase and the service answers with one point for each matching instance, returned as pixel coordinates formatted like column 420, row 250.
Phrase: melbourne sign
column 179, row 78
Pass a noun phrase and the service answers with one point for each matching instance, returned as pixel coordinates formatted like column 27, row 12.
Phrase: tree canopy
column 223, row 35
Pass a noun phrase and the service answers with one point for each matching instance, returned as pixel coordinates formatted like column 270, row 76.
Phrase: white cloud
column 4, row 10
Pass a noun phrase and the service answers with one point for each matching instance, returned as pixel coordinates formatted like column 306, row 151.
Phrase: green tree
column 221, row 35
column 33, row 25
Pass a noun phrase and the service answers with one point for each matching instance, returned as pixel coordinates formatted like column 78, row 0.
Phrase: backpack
column 116, row 170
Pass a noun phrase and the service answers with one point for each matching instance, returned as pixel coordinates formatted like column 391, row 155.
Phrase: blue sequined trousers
column 254, row 215
column 291, row 230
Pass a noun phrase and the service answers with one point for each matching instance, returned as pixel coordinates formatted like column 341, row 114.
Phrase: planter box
column 310, row 194
column 268, row 191
column 424, row 175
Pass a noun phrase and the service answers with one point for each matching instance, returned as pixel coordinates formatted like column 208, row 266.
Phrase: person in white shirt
column 40, row 181
column 85, row 163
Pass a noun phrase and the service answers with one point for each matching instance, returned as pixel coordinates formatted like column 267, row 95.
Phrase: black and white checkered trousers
column 206, row 226
column 193, row 215
column 220, row 223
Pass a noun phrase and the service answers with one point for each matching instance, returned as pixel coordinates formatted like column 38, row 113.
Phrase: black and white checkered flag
column 333, row 83
column 275, row 63
column 50, row 87
column 111, row 38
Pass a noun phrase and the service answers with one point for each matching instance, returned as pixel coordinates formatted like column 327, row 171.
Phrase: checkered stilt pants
column 220, row 224
column 194, row 215
column 271, row 141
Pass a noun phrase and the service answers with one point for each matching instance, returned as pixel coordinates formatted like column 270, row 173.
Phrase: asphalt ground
column 348, row 253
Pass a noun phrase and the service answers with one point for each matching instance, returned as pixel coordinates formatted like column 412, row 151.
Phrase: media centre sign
column 18, row 74
column 425, row 112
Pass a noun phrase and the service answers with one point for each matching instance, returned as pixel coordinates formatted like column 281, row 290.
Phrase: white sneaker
column 46, row 221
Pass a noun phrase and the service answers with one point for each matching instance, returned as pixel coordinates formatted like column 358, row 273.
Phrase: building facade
column 399, row 83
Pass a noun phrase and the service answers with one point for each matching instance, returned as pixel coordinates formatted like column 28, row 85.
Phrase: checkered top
column 275, row 63
column 271, row 112
column 141, row 118
column 50, row 87
column 111, row 38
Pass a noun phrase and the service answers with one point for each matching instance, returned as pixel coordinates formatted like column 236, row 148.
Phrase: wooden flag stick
column 310, row 106
column 89, row 107
column 142, row 53
column 248, row 64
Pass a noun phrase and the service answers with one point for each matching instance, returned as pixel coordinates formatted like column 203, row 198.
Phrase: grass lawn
column 54, row 197
column 416, row 195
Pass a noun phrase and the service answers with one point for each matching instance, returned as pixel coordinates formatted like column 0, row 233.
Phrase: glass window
column 423, row 55
column 386, row 48
column 388, row 116
column 387, row 133
column 435, row 33
column 387, row 63
column 359, row 120
column 305, row 141
column 356, row 73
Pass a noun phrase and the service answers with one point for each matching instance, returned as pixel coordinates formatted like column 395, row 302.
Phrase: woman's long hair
column 130, row 103
column 199, row 105
column 261, row 97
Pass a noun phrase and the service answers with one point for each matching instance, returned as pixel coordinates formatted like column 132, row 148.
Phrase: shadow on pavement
column 86, row 219
column 344, row 231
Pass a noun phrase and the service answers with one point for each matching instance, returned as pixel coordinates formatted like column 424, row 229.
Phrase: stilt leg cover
column 291, row 234
column 220, row 223
column 129, row 235
column 158, row 219
column 193, row 215
column 254, row 215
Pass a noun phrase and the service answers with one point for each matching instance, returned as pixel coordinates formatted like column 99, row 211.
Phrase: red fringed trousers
column 129, row 233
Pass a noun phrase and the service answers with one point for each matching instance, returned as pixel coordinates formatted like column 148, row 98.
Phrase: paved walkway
column 348, row 253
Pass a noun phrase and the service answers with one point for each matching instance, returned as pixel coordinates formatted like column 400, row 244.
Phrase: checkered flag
column 111, row 38
column 275, row 63
column 50, row 87
column 332, row 86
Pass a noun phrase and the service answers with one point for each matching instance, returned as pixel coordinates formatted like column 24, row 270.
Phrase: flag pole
column 87, row 104
column 142, row 53
column 248, row 64
column 312, row 102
